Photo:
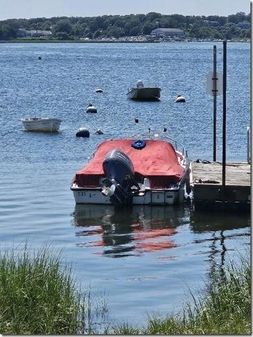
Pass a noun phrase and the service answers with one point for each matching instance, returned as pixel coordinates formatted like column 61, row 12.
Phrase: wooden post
column 248, row 145
column 224, row 118
column 249, row 134
column 214, row 100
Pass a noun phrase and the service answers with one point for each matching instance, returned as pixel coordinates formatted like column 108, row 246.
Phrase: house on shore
column 168, row 33
column 24, row 33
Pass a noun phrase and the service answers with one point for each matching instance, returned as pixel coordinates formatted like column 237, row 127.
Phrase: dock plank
column 206, row 181
column 236, row 173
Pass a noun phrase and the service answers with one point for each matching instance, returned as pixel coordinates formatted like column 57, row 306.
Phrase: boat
column 130, row 171
column 142, row 93
column 41, row 124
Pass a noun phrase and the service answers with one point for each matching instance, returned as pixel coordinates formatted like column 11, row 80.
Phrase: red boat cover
column 157, row 159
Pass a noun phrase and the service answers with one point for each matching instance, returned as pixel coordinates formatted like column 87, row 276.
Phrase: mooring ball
column 91, row 108
column 82, row 132
column 180, row 99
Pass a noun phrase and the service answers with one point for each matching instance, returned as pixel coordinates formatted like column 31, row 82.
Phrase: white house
column 33, row 33
column 167, row 33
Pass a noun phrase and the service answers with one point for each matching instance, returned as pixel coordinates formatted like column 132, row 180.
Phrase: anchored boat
column 142, row 93
column 41, row 124
column 133, row 172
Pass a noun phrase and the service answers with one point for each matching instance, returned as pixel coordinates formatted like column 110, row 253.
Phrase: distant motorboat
column 99, row 90
column 91, row 108
column 41, row 124
column 180, row 99
column 142, row 93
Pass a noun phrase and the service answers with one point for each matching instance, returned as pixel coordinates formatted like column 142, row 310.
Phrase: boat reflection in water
column 128, row 231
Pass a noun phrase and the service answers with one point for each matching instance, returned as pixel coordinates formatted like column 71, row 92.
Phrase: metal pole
column 251, row 89
column 214, row 100
column 248, row 146
column 224, row 117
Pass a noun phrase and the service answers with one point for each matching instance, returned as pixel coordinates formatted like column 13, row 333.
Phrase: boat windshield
column 140, row 84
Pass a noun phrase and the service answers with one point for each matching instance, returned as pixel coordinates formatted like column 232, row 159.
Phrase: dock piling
column 224, row 117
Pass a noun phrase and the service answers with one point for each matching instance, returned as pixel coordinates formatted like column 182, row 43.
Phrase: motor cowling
column 119, row 173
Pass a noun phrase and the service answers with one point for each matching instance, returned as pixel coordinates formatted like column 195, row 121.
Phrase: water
column 143, row 260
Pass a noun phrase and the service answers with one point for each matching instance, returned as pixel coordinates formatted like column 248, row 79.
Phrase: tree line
column 235, row 26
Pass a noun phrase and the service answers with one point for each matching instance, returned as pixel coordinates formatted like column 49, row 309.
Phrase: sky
column 10, row 9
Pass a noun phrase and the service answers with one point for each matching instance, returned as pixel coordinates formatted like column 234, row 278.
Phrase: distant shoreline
column 71, row 41
column 113, row 41
column 137, row 28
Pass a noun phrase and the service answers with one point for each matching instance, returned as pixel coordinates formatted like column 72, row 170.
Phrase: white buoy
column 91, row 108
column 180, row 99
column 83, row 132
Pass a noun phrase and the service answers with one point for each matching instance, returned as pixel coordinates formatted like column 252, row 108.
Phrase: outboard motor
column 119, row 172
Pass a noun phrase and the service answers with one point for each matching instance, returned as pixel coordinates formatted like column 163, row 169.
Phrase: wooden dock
column 208, row 192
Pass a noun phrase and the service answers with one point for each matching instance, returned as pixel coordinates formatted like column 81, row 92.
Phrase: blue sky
column 48, row 8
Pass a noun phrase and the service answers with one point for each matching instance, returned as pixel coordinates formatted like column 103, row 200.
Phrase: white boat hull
column 146, row 197
column 42, row 124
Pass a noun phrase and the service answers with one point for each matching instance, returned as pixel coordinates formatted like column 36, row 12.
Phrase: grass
column 38, row 296
column 225, row 309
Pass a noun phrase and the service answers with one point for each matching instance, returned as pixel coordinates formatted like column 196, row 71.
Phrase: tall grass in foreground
column 226, row 309
column 38, row 296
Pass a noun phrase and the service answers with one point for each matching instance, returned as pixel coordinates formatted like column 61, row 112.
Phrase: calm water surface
column 143, row 260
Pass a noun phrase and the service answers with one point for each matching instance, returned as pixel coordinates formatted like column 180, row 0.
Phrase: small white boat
column 91, row 108
column 180, row 99
column 142, row 93
column 133, row 172
column 41, row 124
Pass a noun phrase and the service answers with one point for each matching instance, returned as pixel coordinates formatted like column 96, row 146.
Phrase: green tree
column 236, row 18
column 7, row 32
column 62, row 36
column 134, row 31
column 153, row 16
column 96, row 34
column 63, row 26
column 114, row 31
column 148, row 27
column 46, row 25
column 230, row 31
